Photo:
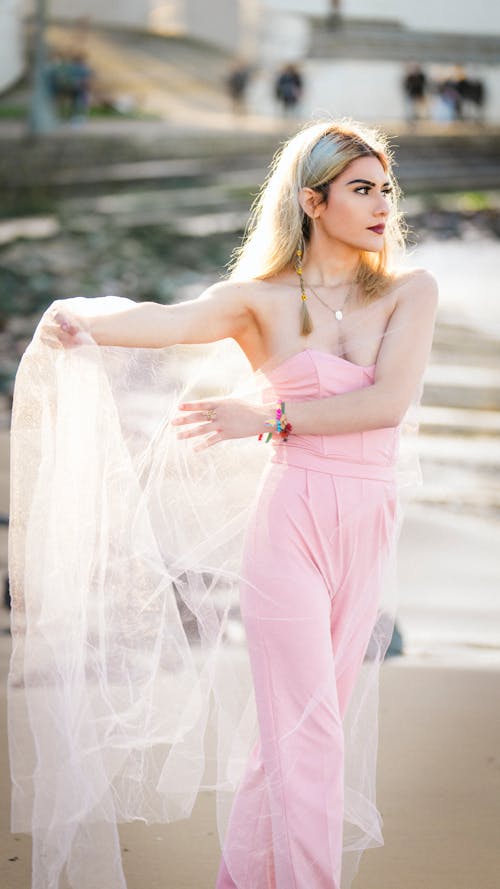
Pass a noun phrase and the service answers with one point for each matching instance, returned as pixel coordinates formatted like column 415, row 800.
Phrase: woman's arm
column 401, row 363
column 400, row 366
column 221, row 311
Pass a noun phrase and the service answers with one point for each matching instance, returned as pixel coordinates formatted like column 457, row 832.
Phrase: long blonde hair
column 277, row 223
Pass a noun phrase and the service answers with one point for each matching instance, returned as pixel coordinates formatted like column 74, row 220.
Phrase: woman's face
column 358, row 205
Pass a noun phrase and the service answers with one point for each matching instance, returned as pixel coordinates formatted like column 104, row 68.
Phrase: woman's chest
column 356, row 336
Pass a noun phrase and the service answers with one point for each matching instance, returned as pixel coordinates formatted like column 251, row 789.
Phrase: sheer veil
column 129, row 688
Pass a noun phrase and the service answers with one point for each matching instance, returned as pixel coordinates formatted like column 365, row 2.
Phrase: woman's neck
column 327, row 264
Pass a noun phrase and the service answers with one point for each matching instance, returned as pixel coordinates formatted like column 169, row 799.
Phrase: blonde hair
column 278, row 224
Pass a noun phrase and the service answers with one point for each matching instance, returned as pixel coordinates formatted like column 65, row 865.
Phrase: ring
column 210, row 413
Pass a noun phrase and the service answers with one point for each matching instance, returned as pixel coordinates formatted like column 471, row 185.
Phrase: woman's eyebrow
column 366, row 182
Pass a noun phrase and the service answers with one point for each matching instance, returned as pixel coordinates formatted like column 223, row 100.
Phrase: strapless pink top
column 310, row 374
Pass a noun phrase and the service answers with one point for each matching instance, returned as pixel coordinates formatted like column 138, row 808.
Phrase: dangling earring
column 305, row 318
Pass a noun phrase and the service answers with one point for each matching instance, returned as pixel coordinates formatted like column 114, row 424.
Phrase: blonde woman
column 341, row 340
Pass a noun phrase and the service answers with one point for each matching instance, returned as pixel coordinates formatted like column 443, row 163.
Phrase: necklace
column 339, row 313
column 306, row 321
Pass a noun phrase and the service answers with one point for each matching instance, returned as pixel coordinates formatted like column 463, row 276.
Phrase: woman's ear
column 311, row 202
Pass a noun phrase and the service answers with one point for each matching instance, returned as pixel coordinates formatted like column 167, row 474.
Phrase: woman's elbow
column 396, row 416
column 392, row 410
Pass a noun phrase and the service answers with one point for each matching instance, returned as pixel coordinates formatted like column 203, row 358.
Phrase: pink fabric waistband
column 303, row 459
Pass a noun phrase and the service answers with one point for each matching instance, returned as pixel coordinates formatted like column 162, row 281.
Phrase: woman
column 338, row 342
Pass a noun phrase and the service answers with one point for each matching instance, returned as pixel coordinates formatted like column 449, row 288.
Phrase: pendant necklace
column 306, row 318
column 339, row 313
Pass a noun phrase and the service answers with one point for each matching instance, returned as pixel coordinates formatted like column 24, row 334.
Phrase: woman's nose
column 383, row 205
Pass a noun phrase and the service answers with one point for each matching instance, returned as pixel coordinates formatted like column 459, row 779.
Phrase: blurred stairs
column 391, row 41
column 151, row 155
column 181, row 82
column 460, row 422
column 173, row 77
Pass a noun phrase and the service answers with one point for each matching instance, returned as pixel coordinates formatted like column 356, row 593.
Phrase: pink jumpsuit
column 313, row 569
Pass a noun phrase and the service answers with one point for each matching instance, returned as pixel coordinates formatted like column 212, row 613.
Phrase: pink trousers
column 313, row 567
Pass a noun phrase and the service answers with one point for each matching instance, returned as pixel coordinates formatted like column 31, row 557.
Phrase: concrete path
column 438, row 791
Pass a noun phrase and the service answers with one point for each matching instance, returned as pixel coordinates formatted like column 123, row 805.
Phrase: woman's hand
column 218, row 419
column 63, row 329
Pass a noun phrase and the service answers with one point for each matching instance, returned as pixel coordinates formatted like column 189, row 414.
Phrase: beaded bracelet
column 280, row 424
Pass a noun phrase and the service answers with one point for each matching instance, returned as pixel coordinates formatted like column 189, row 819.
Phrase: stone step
column 390, row 41
column 458, row 450
column 460, row 421
column 448, row 172
column 463, row 495
column 189, row 57
column 475, row 347
column 165, row 206
column 475, row 388
column 459, row 471
column 103, row 143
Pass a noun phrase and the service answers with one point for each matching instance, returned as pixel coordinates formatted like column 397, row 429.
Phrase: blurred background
column 133, row 138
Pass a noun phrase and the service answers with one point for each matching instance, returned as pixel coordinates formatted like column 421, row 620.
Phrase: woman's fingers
column 208, row 441
column 55, row 336
column 196, row 406
column 63, row 329
column 195, row 417
column 196, row 430
column 55, row 330
column 68, row 323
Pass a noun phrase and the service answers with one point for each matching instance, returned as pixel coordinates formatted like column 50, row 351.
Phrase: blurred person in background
column 415, row 91
column 69, row 77
column 472, row 96
column 338, row 339
column 237, row 82
column 335, row 15
column 288, row 88
column 447, row 104
column 461, row 84
column 79, row 80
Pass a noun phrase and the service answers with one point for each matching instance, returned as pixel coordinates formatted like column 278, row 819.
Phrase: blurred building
column 352, row 53
column 221, row 22
column 11, row 56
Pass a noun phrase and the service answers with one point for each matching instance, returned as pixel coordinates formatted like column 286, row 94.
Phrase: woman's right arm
column 220, row 311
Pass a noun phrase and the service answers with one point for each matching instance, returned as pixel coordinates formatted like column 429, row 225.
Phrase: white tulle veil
column 129, row 689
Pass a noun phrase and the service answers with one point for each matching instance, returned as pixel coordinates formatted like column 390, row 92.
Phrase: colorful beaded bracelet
column 280, row 424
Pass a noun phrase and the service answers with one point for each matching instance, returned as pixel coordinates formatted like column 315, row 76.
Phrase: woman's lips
column 379, row 229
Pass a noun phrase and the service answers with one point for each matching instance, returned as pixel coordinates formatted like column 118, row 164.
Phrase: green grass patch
column 13, row 112
column 473, row 200
column 101, row 112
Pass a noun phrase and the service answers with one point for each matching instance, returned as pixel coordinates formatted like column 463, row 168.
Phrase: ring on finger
column 210, row 414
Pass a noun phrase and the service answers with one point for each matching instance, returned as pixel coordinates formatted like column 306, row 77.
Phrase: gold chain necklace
column 339, row 313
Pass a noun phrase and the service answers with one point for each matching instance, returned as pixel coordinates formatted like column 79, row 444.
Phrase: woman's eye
column 365, row 189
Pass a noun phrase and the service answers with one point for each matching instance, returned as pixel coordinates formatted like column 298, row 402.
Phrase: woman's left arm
column 401, row 363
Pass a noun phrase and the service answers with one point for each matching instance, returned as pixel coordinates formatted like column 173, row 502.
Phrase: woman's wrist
column 265, row 414
column 102, row 330
column 276, row 422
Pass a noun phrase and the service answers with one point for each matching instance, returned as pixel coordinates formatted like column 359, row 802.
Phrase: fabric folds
column 150, row 605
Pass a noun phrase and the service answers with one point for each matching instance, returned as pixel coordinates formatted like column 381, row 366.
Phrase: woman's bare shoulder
column 246, row 287
column 230, row 292
column 253, row 291
column 409, row 283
